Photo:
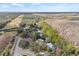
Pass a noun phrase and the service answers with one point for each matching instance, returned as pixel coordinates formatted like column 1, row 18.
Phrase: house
column 50, row 46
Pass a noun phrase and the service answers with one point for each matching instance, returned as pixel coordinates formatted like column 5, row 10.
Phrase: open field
column 37, row 36
column 67, row 28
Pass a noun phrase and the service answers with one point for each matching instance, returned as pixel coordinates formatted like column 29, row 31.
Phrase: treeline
column 28, row 19
column 32, row 16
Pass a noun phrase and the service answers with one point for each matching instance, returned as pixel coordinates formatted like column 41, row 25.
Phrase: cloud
column 18, row 4
column 15, row 4
column 39, row 7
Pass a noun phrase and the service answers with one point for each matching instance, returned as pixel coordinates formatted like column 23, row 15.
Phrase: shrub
column 34, row 47
column 6, row 53
column 22, row 44
column 51, row 32
column 38, row 46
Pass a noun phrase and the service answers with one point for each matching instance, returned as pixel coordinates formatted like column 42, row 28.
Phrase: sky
column 39, row 7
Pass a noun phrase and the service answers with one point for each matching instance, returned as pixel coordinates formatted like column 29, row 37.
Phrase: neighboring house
column 50, row 46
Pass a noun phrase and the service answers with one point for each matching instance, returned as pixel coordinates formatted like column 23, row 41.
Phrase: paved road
column 17, row 51
column 15, row 23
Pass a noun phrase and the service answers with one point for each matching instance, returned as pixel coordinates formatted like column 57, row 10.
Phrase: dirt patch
column 14, row 23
